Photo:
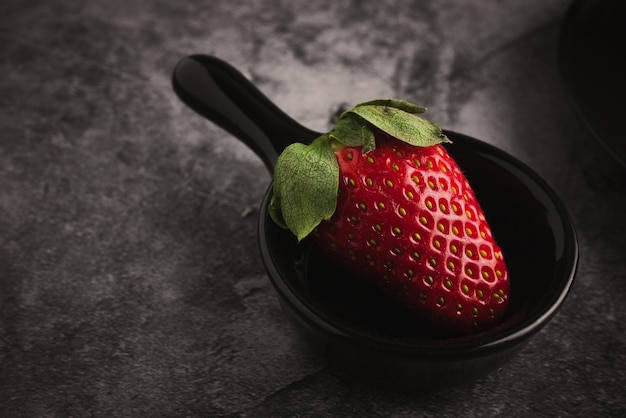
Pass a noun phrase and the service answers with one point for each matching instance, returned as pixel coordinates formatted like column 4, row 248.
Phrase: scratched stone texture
column 130, row 281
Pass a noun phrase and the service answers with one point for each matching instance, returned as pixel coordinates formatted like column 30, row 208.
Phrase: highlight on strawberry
column 380, row 195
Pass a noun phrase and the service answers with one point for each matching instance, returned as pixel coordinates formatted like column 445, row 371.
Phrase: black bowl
column 353, row 325
column 369, row 335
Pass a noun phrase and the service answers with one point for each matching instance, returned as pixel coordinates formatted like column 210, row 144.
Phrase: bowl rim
column 472, row 344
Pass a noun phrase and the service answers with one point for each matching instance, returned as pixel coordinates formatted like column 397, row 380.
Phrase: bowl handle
column 220, row 93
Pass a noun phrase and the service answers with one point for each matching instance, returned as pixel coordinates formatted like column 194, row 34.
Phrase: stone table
column 130, row 281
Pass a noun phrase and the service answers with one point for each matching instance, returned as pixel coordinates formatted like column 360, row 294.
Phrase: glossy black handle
column 220, row 93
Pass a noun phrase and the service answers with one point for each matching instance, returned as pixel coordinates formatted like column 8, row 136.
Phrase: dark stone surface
column 130, row 282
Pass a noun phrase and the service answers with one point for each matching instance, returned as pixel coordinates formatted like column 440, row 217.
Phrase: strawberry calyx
column 306, row 177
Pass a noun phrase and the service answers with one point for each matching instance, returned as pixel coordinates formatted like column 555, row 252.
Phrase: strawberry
column 381, row 195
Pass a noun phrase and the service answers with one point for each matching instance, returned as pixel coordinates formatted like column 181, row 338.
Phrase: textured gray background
column 130, row 282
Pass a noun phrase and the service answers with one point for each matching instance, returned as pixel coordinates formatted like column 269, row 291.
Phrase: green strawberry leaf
column 306, row 180
column 400, row 124
column 351, row 133
column 306, row 177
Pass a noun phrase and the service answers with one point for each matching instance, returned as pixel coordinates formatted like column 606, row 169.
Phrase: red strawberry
column 387, row 201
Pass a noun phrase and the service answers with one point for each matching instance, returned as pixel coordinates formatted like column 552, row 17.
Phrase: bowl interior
column 527, row 219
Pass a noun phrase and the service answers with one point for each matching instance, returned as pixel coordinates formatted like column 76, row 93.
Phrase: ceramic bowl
column 355, row 327
column 359, row 330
